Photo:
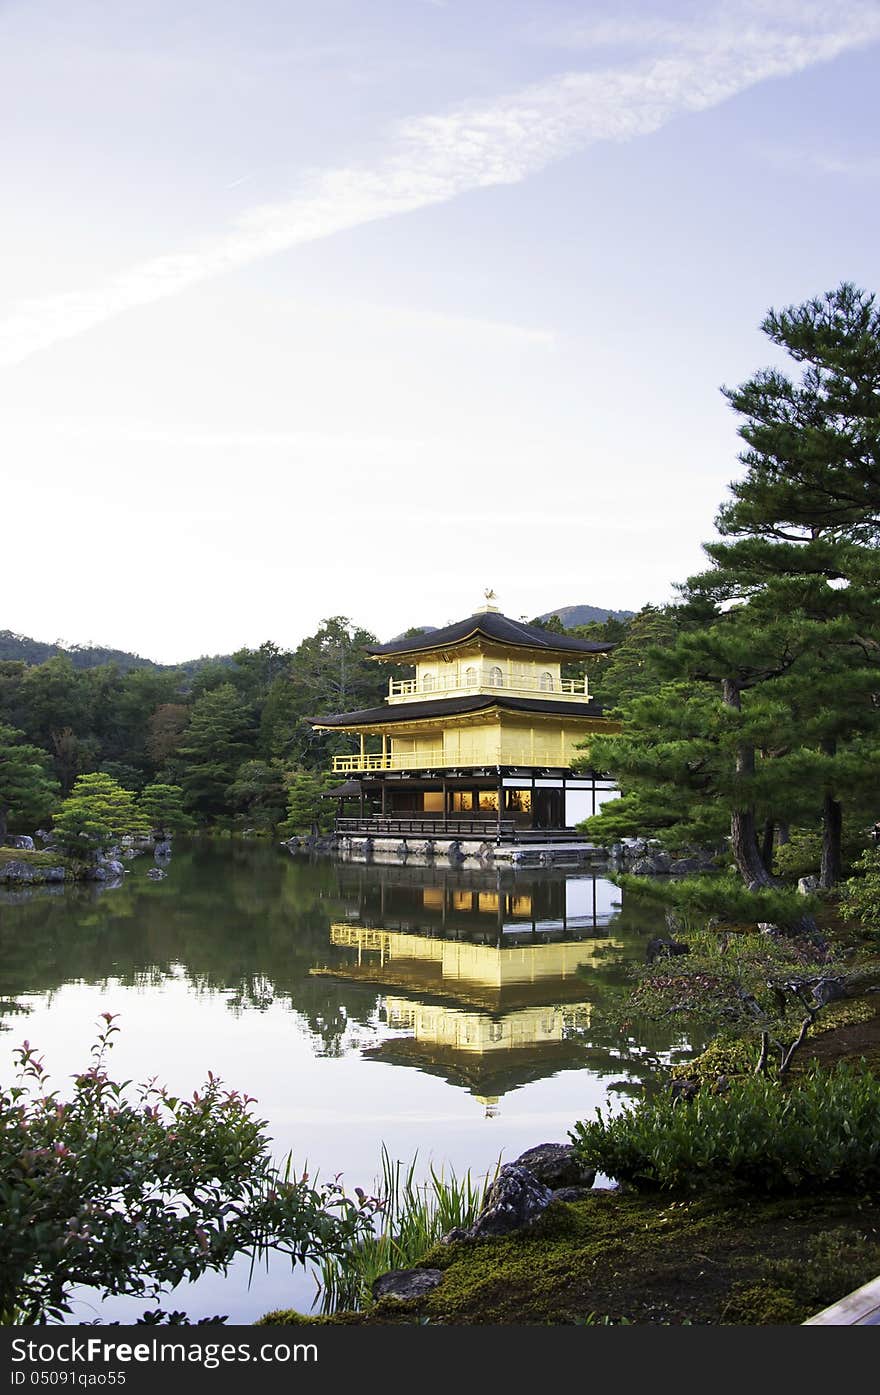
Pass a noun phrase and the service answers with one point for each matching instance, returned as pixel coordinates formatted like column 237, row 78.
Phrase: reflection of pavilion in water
column 486, row 973
column 475, row 902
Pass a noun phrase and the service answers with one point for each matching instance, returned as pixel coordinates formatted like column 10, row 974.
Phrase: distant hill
column 572, row 615
column 35, row 651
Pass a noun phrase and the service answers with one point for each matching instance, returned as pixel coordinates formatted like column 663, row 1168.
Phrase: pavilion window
column 496, row 677
column 546, row 682
column 428, row 682
column 470, row 676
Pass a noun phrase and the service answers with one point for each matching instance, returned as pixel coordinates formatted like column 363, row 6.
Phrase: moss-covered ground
column 620, row 1258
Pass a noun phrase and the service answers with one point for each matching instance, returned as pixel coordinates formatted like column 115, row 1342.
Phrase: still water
column 461, row 1015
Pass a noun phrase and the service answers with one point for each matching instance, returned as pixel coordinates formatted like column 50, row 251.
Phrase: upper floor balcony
column 487, row 680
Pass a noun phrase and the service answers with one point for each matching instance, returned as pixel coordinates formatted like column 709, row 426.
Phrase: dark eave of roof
column 491, row 624
column 454, row 707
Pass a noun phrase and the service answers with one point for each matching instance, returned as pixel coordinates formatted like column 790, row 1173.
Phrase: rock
column 572, row 1193
column 686, row 866
column 767, row 927
column 656, row 865
column 456, row 1233
column 156, row 874
column 658, row 948
column 828, row 990
column 515, row 1199
column 556, row 1165
column 454, row 852
column 635, row 847
column 807, row 885
column 43, row 835
column 684, row 1089
column 111, row 867
column 55, row 874
column 22, row 841
column 16, row 871
column 406, row 1283
column 127, row 841
column 162, row 849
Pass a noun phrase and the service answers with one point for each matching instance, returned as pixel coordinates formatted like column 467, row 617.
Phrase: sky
column 326, row 307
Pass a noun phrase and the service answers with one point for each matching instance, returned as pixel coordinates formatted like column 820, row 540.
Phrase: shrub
column 131, row 1197
column 722, row 898
column 800, row 856
column 823, row 1131
column 860, row 895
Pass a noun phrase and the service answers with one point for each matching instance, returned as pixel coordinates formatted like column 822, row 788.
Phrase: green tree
column 791, row 653
column 97, row 812
column 259, row 793
column 804, row 523
column 27, row 789
column 135, row 1195
column 218, row 738
column 306, row 808
column 162, row 808
column 165, row 727
column 626, row 673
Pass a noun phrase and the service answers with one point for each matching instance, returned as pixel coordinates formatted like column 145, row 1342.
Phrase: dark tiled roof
column 491, row 624
column 453, row 707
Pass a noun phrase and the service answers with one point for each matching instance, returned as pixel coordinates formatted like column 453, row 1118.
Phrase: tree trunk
column 743, row 830
column 4, row 812
column 783, row 835
column 832, row 832
column 767, row 845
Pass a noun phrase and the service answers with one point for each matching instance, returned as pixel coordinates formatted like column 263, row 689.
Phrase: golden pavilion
column 479, row 742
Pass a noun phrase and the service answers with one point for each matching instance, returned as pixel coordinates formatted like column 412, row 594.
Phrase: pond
column 456, row 1014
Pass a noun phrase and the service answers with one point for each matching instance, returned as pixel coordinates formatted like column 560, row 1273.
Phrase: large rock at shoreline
column 515, row 1199
column 21, row 873
column 556, row 1165
column 17, row 871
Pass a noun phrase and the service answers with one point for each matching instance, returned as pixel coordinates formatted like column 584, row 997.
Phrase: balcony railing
column 419, row 827
column 448, row 760
column 477, row 680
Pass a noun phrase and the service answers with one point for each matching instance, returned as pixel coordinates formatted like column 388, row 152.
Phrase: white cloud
column 436, row 158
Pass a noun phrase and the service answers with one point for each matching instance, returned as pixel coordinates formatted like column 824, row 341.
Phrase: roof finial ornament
column 490, row 597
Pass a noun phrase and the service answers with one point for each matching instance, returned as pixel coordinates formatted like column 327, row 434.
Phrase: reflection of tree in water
column 246, row 921
column 239, row 919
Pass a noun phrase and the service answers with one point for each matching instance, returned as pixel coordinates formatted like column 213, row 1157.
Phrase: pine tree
column 219, row 737
column 162, row 807
column 27, row 790
column 805, row 524
column 96, row 813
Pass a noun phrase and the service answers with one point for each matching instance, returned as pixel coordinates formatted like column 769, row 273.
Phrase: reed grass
column 411, row 1218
